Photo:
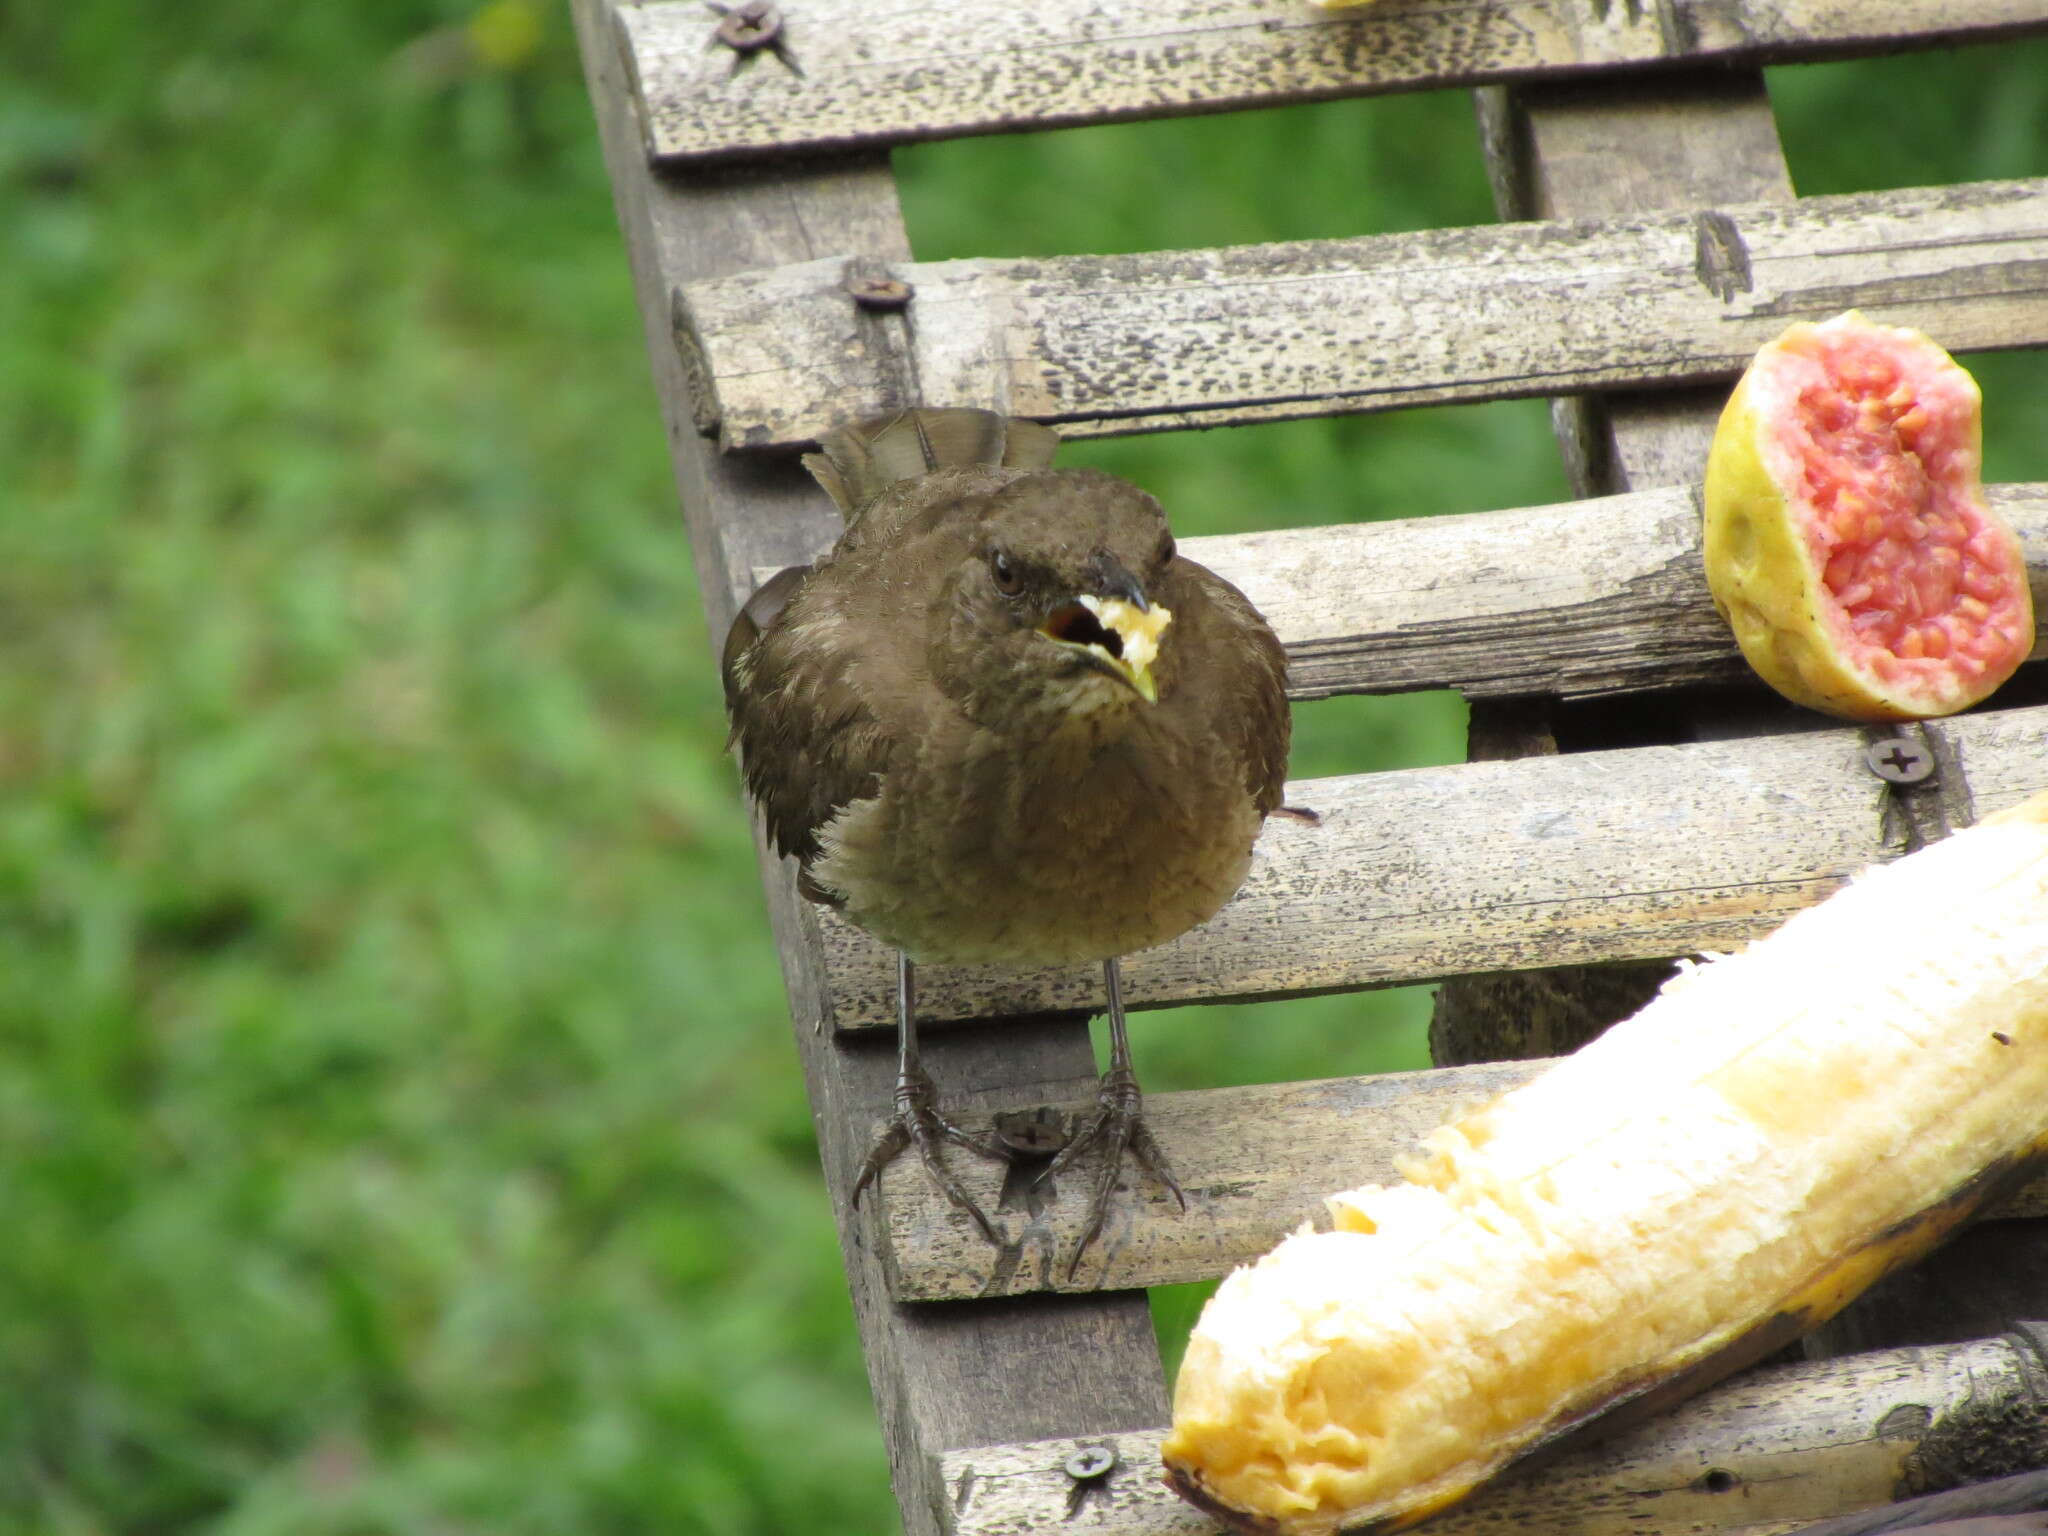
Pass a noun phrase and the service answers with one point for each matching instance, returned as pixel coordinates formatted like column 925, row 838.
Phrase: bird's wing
column 810, row 669
column 810, row 739
column 1249, row 702
column 756, row 617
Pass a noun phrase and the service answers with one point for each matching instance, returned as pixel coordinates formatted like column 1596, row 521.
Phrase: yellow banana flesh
column 1778, row 1129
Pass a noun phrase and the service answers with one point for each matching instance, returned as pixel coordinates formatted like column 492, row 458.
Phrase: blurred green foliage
column 398, row 1129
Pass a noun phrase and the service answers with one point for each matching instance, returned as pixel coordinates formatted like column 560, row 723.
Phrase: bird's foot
column 917, row 1122
column 1118, row 1126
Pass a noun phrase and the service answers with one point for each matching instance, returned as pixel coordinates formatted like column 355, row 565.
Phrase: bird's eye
column 1009, row 580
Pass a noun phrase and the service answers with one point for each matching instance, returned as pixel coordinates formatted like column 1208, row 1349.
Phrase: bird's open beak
column 1117, row 636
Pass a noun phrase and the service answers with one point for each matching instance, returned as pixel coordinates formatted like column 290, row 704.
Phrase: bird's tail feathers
column 861, row 461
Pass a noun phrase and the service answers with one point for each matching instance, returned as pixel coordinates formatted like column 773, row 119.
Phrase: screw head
column 879, row 292
column 745, row 28
column 1899, row 760
column 1090, row 1462
column 1039, row 1132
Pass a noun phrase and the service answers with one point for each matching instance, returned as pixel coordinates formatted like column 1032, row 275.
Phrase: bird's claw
column 917, row 1122
column 1117, row 1126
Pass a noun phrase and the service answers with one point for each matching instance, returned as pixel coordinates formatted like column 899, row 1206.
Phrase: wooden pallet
column 1656, row 243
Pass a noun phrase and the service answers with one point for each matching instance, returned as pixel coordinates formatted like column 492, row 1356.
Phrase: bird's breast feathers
column 1077, row 853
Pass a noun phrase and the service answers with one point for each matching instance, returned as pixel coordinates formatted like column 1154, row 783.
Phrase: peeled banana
column 1712, row 1177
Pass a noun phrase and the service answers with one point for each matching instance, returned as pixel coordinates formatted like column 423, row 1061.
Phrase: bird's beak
column 1117, row 635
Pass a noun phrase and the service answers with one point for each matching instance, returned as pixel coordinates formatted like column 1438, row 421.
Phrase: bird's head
column 1055, row 609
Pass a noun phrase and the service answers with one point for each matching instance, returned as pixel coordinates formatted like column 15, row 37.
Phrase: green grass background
column 399, row 1130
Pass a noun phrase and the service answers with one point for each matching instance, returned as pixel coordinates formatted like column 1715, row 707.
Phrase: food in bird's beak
column 1847, row 539
column 1774, row 1132
column 1117, row 636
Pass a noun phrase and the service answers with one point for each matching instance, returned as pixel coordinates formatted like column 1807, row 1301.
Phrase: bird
column 1005, row 721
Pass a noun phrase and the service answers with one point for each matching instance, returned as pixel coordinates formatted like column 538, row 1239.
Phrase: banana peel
column 1776, row 1131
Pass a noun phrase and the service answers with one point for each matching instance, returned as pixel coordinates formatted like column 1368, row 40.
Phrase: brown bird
column 1004, row 721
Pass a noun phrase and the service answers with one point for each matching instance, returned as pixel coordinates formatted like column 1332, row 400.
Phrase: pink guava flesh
column 1882, row 441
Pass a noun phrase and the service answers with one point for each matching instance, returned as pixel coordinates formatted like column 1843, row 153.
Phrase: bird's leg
column 917, row 1120
column 1119, row 1124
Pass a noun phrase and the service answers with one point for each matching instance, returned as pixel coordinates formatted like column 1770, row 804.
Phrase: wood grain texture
column 1584, row 598
column 1766, row 1451
column 1946, row 1512
column 1101, row 345
column 1574, row 600
column 1625, row 147
column 1612, row 147
column 1256, row 1163
column 1084, row 1364
column 877, row 72
column 1543, row 861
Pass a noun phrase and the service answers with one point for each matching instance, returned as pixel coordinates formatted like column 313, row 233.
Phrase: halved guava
column 1847, row 539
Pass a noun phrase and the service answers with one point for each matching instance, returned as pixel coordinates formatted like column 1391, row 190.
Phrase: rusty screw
column 884, row 293
column 1091, row 1462
column 747, row 27
column 1899, row 760
column 1039, row 1132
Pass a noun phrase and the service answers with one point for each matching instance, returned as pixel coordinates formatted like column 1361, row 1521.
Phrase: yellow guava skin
column 1768, row 586
column 1765, row 582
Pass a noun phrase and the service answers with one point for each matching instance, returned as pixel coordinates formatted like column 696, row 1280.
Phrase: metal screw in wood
column 1899, row 760
column 1091, row 1462
column 1089, row 1467
column 748, row 28
column 1036, row 1132
column 1032, row 1137
column 879, row 292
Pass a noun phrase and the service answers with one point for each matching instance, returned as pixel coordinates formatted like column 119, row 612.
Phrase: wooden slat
column 878, row 72
column 1574, row 600
column 1116, row 344
column 1256, row 1163
column 1766, row 1451
column 1432, row 872
column 1627, row 147
column 1591, row 597
column 1613, row 147
column 1616, row 147
column 1087, row 1365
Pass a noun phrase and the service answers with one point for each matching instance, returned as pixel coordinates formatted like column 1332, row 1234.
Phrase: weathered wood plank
column 1431, row 872
column 1256, row 1163
column 1608, row 147
column 877, row 72
column 1574, row 600
column 1767, row 1451
column 1085, row 1365
column 1624, row 147
column 1117, row 344
column 1583, row 598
